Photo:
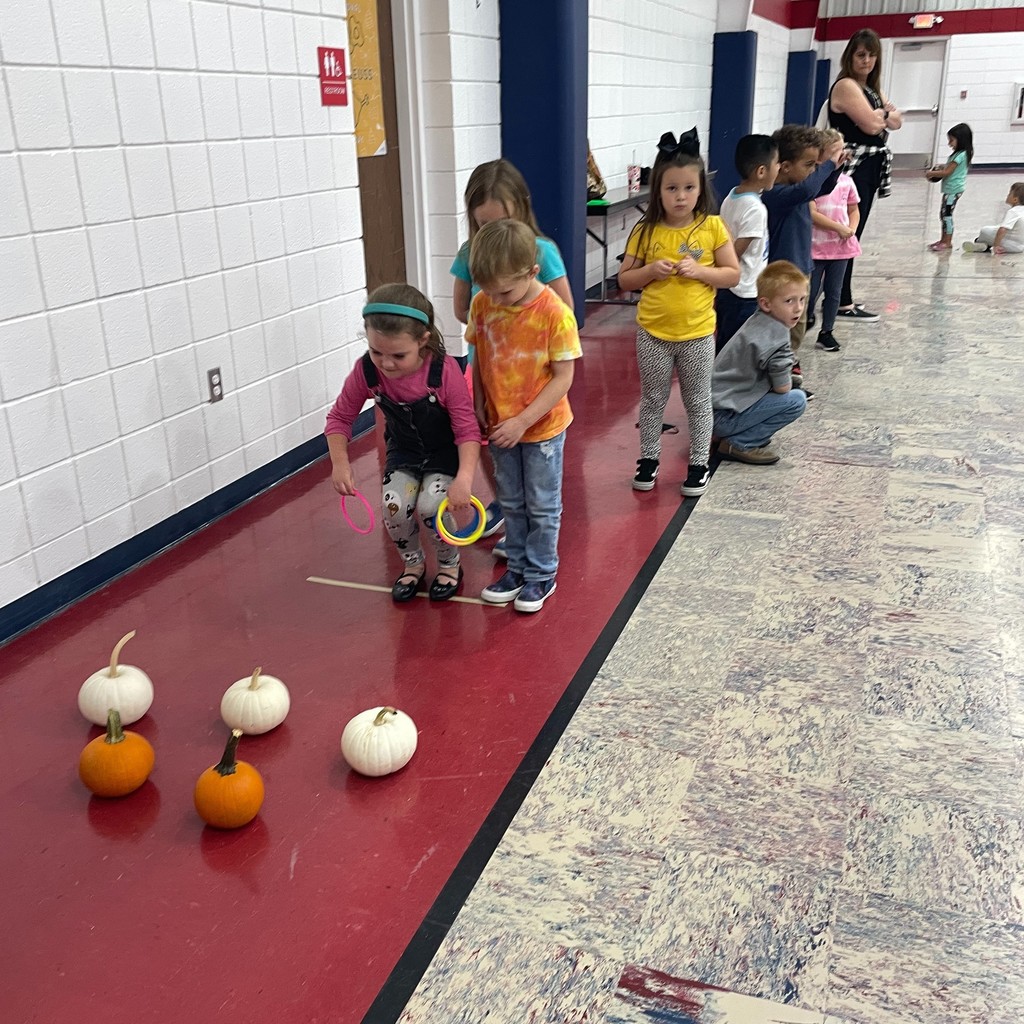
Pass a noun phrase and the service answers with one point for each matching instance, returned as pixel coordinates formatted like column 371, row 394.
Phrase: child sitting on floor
column 1007, row 236
column 751, row 389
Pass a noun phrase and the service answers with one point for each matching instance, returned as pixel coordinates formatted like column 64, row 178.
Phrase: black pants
column 867, row 178
column 731, row 313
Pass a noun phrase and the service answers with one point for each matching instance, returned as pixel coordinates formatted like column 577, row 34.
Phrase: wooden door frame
column 407, row 33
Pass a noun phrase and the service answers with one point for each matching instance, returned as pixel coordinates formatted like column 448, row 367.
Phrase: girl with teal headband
column 431, row 434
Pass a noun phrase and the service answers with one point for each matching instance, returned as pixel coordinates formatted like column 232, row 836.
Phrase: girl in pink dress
column 834, row 220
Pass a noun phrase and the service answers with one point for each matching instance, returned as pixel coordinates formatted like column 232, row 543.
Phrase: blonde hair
column 501, row 181
column 503, row 248
column 830, row 135
column 777, row 276
column 401, row 294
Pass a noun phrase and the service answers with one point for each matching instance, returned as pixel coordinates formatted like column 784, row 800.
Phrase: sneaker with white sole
column 696, row 482
column 533, row 595
column 646, row 474
column 975, row 247
column 494, row 520
column 827, row 342
column 499, row 550
column 858, row 315
column 505, row 589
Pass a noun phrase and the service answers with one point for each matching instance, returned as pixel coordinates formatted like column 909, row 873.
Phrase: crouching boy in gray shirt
column 751, row 388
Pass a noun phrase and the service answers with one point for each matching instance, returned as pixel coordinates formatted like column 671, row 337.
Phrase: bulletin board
column 365, row 78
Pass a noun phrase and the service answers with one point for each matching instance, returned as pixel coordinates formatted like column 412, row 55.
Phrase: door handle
column 935, row 110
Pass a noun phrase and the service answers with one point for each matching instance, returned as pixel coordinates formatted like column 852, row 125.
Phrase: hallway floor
column 797, row 778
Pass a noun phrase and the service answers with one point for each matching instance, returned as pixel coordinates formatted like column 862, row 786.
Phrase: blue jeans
column 529, row 479
column 754, row 427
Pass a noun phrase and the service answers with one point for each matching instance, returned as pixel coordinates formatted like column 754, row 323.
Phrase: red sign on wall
column 333, row 84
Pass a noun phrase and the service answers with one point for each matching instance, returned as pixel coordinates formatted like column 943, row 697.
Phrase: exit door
column 918, row 74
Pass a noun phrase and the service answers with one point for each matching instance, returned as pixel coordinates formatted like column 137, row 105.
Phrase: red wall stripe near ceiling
column 773, row 10
column 954, row 23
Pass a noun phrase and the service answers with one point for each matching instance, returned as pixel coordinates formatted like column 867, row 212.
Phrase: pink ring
column 348, row 518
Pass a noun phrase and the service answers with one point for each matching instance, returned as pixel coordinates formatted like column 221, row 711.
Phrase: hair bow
column 689, row 143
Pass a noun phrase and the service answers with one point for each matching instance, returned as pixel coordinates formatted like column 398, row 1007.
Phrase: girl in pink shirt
column 834, row 220
column 431, row 434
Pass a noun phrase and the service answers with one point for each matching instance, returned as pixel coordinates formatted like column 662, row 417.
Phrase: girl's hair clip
column 397, row 310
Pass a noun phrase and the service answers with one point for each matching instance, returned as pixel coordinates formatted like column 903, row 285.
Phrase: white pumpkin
column 126, row 689
column 379, row 741
column 256, row 704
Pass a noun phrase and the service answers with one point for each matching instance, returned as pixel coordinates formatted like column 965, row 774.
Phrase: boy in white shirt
column 757, row 163
column 1008, row 236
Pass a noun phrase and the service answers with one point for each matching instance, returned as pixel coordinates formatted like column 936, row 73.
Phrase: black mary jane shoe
column 401, row 592
column 442, row 591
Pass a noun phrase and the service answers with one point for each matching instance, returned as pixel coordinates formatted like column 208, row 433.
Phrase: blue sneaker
column 494, row 521
column 534, row 594
column 499, row 550
column 504, row 590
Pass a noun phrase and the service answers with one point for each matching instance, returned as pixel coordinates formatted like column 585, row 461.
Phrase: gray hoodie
column 756, row 359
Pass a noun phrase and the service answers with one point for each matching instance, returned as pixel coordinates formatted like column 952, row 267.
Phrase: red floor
column 130, row 910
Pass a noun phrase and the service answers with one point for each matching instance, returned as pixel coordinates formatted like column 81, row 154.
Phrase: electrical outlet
column 216, row 385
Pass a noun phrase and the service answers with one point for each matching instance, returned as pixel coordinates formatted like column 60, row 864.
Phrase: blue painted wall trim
column 822, row 81
column 52, row 597
column 800, row 88
column 544, row 71
column 732, row 104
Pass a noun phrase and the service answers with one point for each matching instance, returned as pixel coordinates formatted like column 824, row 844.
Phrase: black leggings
column 867, row 177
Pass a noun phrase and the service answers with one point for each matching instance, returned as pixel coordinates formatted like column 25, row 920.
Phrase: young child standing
column 526, row 343
column 806, row 170
column 757, row 163
column 953, row 176
column 496, row 190
column 431, row 433
column 1007, row 236
column 834, row 220
column 677, row 255
column 752, row 389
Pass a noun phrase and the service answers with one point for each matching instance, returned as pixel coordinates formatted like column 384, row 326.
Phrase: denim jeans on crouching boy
column 754, row 427
column 529, row 479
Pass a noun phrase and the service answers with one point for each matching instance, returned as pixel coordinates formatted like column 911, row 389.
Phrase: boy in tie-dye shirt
column 526, row 341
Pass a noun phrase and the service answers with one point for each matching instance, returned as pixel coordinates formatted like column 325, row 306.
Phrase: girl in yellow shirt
column 678, row 255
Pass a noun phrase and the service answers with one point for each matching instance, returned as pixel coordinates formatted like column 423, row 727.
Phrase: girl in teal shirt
column 953, row 177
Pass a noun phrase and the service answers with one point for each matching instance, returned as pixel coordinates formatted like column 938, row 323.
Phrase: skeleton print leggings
column 407, row 494
column 949, row 201
column 692, row 362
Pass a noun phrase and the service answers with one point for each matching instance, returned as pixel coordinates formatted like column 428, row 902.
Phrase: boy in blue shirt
column 805, row 172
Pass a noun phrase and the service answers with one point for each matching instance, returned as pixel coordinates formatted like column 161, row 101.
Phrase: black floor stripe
column 413, row 963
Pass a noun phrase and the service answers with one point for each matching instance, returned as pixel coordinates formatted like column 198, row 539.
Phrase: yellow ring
column 453, row 538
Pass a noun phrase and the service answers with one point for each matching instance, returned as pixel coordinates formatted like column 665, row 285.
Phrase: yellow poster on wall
column 365, row 83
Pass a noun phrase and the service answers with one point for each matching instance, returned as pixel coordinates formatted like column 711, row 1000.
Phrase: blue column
column 800, row 88
column 822, row 80
column 544, row 74
column 732, row 103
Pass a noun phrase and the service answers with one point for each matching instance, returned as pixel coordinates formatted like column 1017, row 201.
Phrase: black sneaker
column 808, row 393
column 827, row 342
column 859, row 315
column 810, row 321
column 646, row 474
column 696, row 482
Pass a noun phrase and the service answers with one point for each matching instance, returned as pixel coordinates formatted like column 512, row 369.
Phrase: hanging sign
column 333, row 84
column 367, row 98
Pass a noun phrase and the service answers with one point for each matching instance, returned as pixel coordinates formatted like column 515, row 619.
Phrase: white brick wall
column 172, row 197
column 650, row 72
column 773, row 45
column 986, row 65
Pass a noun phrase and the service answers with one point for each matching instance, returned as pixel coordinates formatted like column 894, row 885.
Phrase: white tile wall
column 773, row 46
column 172, row 197
column 650, row 72
column 986, row 66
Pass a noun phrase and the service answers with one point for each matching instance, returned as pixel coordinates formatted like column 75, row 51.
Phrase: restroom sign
column 333, row 83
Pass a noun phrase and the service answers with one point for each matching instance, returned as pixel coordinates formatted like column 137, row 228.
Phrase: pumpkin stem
column 117, row 651
column 227, row 762
column 255, row 683
column 382, row 714
column 115, row 734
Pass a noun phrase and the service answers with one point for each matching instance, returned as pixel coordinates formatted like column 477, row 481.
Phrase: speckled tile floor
column 795, row 791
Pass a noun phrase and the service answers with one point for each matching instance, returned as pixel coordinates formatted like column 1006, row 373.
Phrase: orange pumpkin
column 118, row 763
column 229, row 794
